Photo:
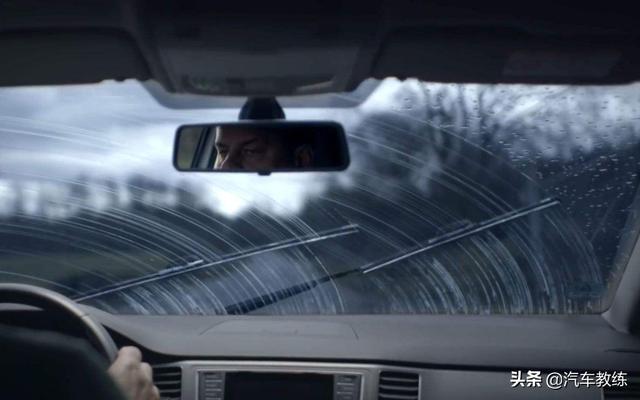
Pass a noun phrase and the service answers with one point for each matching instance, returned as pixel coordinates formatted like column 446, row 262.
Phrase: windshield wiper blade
column 200, row 264
column 276, row 296
column 464, row 232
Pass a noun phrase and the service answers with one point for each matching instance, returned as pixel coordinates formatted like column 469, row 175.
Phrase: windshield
column 460, row 199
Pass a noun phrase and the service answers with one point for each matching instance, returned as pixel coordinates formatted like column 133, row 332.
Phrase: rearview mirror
column 262, row 147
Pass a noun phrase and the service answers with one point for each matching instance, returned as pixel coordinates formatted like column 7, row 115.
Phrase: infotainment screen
column 278, row 386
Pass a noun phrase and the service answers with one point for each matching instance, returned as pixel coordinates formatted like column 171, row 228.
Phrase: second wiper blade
column 464, row 232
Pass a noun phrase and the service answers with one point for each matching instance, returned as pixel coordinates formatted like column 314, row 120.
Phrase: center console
column 241, row 385
column 285, row 380
column 238, row 380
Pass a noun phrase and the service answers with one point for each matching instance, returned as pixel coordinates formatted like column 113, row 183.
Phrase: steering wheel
column 62, row 306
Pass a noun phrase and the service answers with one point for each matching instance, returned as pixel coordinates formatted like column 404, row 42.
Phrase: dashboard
column 400, row 357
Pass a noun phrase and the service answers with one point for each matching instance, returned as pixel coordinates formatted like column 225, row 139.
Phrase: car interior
column 221, row 320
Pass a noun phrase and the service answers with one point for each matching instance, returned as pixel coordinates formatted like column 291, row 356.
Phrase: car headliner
column 292, row 47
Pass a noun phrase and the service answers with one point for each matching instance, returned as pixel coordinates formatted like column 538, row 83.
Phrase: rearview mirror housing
column 261, row 147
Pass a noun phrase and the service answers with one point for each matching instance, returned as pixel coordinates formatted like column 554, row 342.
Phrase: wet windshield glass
column 475, row 199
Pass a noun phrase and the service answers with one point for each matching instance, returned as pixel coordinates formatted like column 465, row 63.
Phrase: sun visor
column 45, row 57
column 504, row 56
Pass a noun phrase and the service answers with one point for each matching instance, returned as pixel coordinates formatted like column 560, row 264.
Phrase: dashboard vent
column 629, row 392
column 398, row 386
column 168, row 379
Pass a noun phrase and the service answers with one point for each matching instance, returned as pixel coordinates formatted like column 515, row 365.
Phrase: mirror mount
column 261, row 108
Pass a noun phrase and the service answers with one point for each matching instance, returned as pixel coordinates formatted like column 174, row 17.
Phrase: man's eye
column 251, row 152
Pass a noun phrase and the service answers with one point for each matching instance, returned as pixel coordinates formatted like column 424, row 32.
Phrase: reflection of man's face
column 238, row 148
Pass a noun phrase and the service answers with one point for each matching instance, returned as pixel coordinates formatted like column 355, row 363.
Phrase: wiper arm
column 200, row 264
column 265, row 300
column 256, row 303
